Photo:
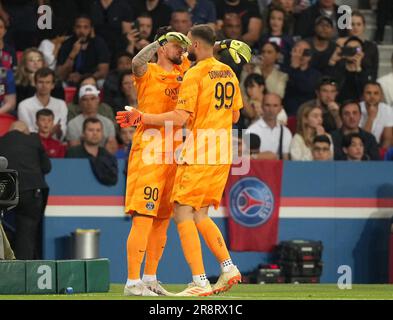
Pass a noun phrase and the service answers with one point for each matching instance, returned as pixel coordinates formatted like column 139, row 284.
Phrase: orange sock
column 137, row 243
column 214, row 239
column 155, row 245
column 191, row 245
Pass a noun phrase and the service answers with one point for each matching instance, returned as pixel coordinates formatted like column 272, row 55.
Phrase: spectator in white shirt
column 386, row 83
column 275, row 138
column 51, row 45
column 44, row 80
column 377, row 117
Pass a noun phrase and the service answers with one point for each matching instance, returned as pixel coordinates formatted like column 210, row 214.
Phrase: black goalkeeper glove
column 237, row 49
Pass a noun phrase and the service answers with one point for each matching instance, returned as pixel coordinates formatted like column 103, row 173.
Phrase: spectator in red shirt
column 45, row 123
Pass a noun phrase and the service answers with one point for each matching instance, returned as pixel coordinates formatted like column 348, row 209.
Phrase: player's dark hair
column 145, row 14
column 347, row 139
column 43, row 73
column 44, row 113
column 205, row 33
column 161, row 31
column 322, row 138
column 91, row 120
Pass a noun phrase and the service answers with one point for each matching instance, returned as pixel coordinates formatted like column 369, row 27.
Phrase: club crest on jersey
column 150, row 205
column 251, row 202
column 179, row 79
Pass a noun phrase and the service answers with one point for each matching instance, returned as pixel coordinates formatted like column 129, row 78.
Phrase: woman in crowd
column 127, row 95
column 276, row 32
column 32, row 60
column 309, row 125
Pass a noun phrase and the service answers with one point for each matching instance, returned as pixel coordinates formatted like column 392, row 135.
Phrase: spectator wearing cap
column 350, row 114
column 249, row 14
column 309, row 125
column 45, row 123
column 302, row 78
column 377, row 117
column 44, row 80
column 83, row 53
column 353, row 147
column 277, row 33
column 89, row 101
column 386, row 83
column 275, row 138
column 345, row 65
column 74, row 108
column 202, row 11
column 321, row 148
column 306, row 21
column 326, row 99
column 322, row 44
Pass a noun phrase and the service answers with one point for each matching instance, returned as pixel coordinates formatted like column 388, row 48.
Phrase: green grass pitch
column 243, row 292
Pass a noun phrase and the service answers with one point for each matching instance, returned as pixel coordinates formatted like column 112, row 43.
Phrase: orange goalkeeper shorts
column 200, row 186
column 149, row 187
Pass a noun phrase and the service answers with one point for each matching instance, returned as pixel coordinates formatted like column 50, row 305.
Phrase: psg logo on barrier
column 251, row 202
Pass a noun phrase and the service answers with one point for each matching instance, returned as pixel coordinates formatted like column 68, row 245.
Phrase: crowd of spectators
column 309, row 84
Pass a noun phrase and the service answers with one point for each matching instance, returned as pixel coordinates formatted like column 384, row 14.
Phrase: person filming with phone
column 345, row 65
column 83, row 53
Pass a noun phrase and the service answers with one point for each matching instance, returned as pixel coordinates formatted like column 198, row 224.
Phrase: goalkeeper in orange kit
column 210, row 99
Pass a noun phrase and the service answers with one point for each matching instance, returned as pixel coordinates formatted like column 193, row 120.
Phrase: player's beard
column 191, row 56
column 175, row 60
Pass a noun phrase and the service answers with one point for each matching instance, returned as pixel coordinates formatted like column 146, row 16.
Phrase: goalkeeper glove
column 174, row 36
column 130, row 118
column 237, row 49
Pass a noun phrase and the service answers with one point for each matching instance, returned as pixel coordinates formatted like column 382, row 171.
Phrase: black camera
column 9, row 186
column 349, row 51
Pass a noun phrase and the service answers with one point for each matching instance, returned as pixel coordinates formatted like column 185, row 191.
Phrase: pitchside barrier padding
column 51, row 277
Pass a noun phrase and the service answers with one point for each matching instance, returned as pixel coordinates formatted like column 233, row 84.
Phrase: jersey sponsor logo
column 172, row 93
column 251, row 202
column 150, row 205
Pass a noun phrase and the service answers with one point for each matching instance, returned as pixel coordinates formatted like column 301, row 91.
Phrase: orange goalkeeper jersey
column 210, row 92
column 158, row 91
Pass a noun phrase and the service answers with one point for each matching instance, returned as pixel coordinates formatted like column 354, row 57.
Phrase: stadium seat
column 19, row 55
column 292, row 124
column 69, row 93
column 5, row 122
